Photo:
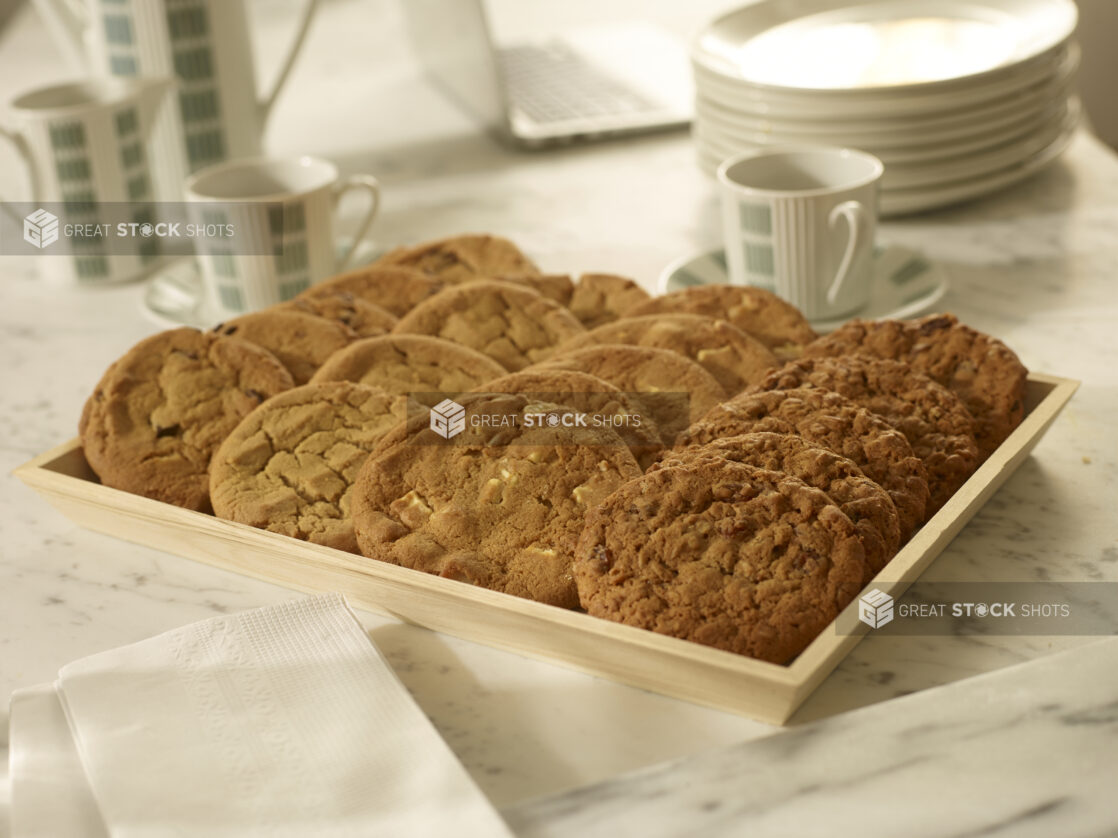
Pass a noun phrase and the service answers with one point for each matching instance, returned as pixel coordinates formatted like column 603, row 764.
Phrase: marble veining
column 1034, row 265
column 1024, row 752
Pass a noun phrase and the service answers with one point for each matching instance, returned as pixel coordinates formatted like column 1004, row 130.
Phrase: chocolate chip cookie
column 590, row 395
column 981, row 370
column 289, row 466
column 556, row 287
column 158, row 414
column 500, row 505
column 674, row 390
column 512, row 325
column 462, row 258
column 411, row 364
column 302, row 342
column 828, row 419
column 777, row 324
column 932, row 418
column 863, row 501
column 721, row 553
column 397, row 290
column 602, row 298
column 366, row 319
column 735, row 359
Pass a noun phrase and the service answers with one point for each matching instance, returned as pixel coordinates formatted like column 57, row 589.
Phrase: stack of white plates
column 957, row 97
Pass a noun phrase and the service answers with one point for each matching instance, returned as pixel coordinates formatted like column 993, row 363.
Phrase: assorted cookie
column 590, row 395
column 462, row 258
column 500, row 506
column 452, row 409
column 777, row 324
column 160, row 411
column 411, row 364
column 603, row 298
column 396, row 290
column 726, row 554
column 832, row 421
column 932, row 418
column 514, row 326
column 674, row 390
column 366, row 319
column 863, row 501
column 302, row 342
column 290, row 465
column 734, row 358
column 985, row 373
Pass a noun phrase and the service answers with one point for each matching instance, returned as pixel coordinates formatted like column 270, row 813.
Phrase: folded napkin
column 281, row 721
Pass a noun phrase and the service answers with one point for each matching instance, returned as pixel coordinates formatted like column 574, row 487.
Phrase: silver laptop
column 590, row 83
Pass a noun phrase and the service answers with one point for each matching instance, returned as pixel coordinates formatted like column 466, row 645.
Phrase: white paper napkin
column 49, row 793
column 284, row 721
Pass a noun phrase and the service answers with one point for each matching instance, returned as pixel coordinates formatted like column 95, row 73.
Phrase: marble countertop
column 1035, row 265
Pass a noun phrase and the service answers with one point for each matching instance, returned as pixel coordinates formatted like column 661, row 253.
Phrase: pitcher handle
column 856, row 217
column 20, row 143
column 371, row 185
column 289, row 60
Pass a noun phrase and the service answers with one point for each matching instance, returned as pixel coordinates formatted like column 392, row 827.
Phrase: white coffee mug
column 269, row 228
column 801, row 220
column 85, row 146
column 205, row 45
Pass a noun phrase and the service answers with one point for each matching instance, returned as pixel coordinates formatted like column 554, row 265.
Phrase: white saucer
column 905, row 283
column 173, row 297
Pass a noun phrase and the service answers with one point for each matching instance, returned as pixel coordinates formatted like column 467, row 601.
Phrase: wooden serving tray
column 667, row 665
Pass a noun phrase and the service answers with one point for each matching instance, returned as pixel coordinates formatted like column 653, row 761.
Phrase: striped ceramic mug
column 801, row 220
column 85, row 146
column 267, row 228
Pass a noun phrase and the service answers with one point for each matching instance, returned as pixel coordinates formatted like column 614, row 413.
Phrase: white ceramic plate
column 911, row 129
column 173, row 297
column 706, row 124
column 816, row 105
column 904, row 283
column 895, row 202
column 932, row 171
column 891, row 45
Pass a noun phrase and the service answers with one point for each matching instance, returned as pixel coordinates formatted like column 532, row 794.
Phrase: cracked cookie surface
column 602, row 298
column 933, row 419
column 513, row 325
column 733, row 357
column 159, row 412
column 828, row 419
column 760, row 313
column 411, row 364
column 721, row 553
column 985, row 373
column 300, row 341
column 289, row 466
column 863, row 501
column 499, row 505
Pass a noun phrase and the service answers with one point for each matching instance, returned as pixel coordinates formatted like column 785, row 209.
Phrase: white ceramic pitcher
column 205, row 44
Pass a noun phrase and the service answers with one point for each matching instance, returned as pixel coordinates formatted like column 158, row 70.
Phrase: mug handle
column 371, row 185
column 856, row 217
column 269, row 101
column 19, row 142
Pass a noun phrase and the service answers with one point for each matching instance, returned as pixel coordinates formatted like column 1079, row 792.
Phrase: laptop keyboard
column 555, row 84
